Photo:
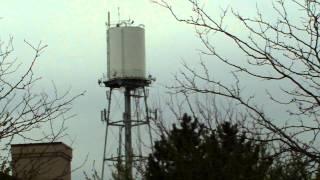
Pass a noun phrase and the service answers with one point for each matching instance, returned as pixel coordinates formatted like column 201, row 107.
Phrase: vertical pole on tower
column 127, row 129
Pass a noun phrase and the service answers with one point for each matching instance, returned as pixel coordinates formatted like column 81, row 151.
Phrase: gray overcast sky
column 76, row 55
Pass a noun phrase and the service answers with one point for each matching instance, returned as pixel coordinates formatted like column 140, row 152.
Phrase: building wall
column 41, row 161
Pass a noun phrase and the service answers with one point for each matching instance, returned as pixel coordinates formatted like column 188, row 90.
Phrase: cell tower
column 126, row 70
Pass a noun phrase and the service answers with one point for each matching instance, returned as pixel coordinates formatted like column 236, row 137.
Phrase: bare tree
column 284, row 51
column 24, row 111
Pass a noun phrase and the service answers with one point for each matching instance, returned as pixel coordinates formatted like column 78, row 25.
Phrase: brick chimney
column 41, row 161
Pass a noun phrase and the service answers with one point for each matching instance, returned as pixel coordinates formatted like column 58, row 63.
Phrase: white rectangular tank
column 126, row 53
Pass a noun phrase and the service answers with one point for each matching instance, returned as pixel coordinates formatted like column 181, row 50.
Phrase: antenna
column 118, row 14
column 108, row 23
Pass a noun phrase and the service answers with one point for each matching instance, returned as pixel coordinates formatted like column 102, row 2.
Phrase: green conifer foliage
column 193, row 152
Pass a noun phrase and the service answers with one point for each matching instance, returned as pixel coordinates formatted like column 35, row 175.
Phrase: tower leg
column 128, row 140
column 106, row 135
column 147, row 116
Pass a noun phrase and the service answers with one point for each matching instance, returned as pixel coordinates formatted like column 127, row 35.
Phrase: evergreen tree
column 294, row 167
column 4, row 176
column 191, row 151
